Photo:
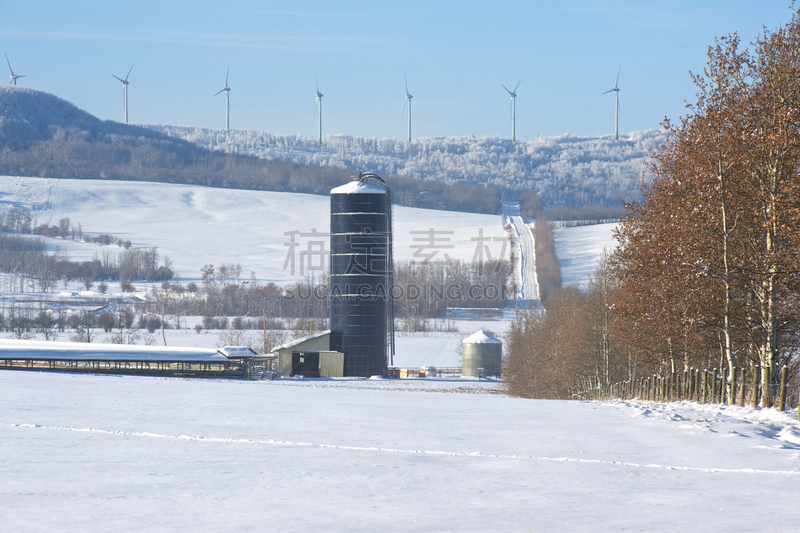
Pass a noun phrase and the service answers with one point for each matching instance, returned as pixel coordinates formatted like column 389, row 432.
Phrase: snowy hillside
column 29, row 115
column 565, row 169
column 131, row 454
column 200, row 225
column 578, row 249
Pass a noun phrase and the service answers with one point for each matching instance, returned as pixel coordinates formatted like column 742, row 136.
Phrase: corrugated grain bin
column 481, row 350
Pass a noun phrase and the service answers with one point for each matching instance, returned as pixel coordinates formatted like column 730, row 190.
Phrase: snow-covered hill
column 579, row 248
column 200, row 225
column 29, row 115
column 51, row 137
column 197, row 225
column 565, row 169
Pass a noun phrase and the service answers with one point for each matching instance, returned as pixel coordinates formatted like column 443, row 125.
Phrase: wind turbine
column 227, row 91
column 13, row 76
column 408, row 102
column 616, row 115
column 319, row 102
column 125, row 90
column 513, row 95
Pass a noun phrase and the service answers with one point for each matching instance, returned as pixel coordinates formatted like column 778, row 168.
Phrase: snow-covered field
column 108, row 453
column 196, row 226
column 579, row 248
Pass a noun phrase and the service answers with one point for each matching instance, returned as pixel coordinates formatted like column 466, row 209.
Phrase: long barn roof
column 79, row 351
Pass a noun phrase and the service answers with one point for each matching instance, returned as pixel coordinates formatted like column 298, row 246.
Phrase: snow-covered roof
column 295, row 342
column 80, row 351
column 358, row 187
column 481, row 337
column 236, row 352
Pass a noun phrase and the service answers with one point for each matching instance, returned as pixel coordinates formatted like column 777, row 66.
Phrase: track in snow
column 525, row 266
column 274, row 442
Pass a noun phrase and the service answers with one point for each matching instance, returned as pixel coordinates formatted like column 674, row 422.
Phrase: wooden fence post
column 743, row 386
column 784, row 371
column 673, row 388
column 687, row 383
column 754, row 399
column 703, row 388
column 714, row 386
column 770, row 391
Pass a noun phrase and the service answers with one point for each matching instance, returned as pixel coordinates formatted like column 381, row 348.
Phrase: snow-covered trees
column 568, row 170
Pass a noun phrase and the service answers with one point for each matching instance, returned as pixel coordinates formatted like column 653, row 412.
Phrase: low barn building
column 310, row 357
column 230, row 361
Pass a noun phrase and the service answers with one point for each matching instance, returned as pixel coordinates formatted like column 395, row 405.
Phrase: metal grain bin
column 360, row 276
column 481, row 350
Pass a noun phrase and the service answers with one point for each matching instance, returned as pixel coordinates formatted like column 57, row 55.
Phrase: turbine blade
column 123, row 81
column 506, row 88
column 515, row 88
column 226, row 74
column 215, row 94
column 404, row 109
column 616, row 82
column 128, row 74
column 406, row 77
column 316, row 83
column 609, row 91
column 9, row 65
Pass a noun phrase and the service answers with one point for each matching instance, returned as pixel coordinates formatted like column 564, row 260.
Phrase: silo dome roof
column 481, row 337
column 358, row 187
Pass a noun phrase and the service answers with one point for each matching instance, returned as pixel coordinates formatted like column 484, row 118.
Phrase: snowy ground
column 196, row 226
column 578, row 250
column 110, row 453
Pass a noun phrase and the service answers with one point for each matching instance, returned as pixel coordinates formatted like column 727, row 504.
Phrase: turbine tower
column 125, row 91
column 616, row 115
column 227, row 91
column 319, row 102
column 408, row 102
column 14, row 77
column 513, row 95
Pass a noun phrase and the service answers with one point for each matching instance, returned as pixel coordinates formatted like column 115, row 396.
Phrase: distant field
column 197, row 225
column 579, row 248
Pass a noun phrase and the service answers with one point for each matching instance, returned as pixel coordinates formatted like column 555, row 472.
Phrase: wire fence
column 703, row 386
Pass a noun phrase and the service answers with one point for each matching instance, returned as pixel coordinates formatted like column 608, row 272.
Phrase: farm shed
column 310, row 357
column 230, row 361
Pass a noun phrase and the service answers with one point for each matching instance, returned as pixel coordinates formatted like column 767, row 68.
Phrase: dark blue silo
column 362, row 321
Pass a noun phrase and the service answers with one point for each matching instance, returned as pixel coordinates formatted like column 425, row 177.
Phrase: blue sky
column 454, row 53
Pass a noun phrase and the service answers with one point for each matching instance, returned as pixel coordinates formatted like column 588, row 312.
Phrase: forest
column 565, row 171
